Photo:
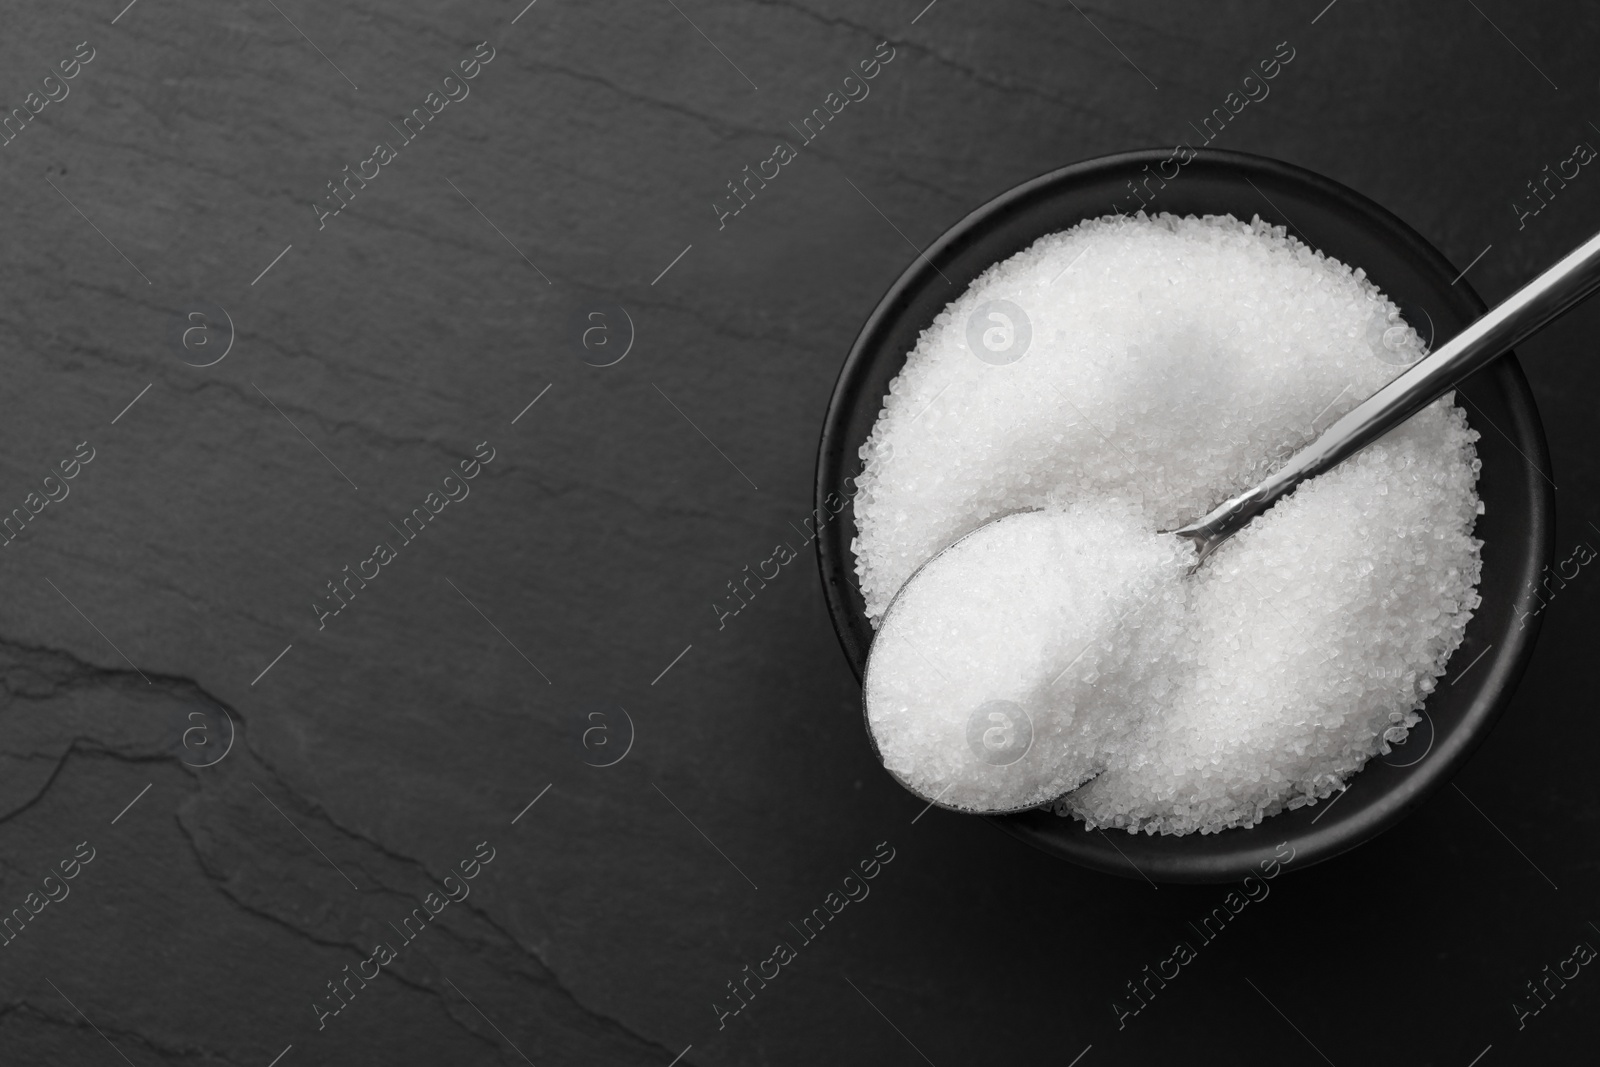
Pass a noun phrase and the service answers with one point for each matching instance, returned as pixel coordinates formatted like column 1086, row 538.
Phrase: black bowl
column 1517, row 528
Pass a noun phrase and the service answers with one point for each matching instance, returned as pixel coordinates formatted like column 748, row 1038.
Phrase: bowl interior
column 1518, row 495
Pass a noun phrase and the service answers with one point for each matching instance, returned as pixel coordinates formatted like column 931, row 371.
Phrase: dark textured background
column 409, row 730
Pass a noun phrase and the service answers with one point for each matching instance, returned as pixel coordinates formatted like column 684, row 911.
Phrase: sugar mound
column 1050, row 616
column 1147, row 369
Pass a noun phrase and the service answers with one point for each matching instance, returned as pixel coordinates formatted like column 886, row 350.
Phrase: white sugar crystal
column 1168, row 364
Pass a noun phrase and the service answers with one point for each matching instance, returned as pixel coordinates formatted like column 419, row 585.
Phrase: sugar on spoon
column 1527, row 311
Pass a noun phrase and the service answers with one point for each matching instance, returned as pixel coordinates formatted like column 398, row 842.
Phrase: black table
column 527, row 794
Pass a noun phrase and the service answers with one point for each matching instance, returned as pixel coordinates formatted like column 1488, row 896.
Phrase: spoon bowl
column 983, row 712
column 1514, row 482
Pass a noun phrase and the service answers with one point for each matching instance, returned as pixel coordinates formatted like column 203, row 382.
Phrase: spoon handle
column 1506, row 325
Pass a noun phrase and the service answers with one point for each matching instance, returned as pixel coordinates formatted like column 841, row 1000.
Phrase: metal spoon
column 1509, row 323
column 1520, row 316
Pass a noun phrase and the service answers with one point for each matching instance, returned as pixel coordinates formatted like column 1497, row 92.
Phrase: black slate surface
column 164, row 606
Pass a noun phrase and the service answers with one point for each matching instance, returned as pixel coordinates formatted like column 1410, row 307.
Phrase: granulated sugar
column 1169, row 364
column 1000, row 675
